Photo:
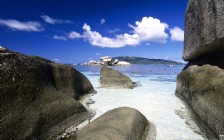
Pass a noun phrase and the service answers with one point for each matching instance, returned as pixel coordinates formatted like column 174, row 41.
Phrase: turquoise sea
column 154, row 97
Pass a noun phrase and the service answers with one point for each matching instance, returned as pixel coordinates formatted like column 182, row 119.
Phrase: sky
column 77, row 31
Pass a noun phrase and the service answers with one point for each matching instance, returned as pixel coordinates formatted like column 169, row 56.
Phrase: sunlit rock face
column 110, row 78
column 204, row 28
column 39, row 99
column 201, row 82
column 122, row 123
column 202, row 88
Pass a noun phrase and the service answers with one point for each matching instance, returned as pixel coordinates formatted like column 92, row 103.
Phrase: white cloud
column 54, row 21
column 22, row 26
column 149, row 29
column 97, row 39
column 177, row 34
column 102, row 21
column 74, row 35
column 58, row 37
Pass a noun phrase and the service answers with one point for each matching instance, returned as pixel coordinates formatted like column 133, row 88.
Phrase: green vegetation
column 41, row 58
column 145, row 61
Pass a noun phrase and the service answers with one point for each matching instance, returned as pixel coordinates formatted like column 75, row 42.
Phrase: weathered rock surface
column 204, row 29
column 201, row 82
column 114, row 79
column 70, row 81
column 118, row 124
column 38, row 97
column 202, row 87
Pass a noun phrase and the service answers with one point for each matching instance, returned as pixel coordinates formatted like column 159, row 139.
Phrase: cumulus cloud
column 59, row 37
column 51, row 20
column 74, row 35
column 148, row 29
column 151, row 29
column 102, row 21
column 22, row 26
column 177, row 34
column 97, row 39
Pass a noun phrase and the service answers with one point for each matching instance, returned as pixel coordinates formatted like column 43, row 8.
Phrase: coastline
column 157, row 104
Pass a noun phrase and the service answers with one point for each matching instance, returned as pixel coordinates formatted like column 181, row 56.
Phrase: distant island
column 126, row 61
column 145, row 61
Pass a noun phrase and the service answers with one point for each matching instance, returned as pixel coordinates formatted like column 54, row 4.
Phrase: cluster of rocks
column 201, row 82
column 40, row 100
column 107, row 60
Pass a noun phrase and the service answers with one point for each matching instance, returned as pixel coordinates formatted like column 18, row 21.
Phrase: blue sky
column 75, row 31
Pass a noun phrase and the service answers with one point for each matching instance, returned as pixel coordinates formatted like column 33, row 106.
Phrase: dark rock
column 118, row 124
column 114, row 79
column 202, row 88
column 201, row 82
column 115, row 61
column 204, row 30
column 215, row 59
column 70, row 81
column 38, row 98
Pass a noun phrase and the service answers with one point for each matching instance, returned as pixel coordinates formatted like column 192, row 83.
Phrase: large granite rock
column 118, row 124
column 69, row 81
column 38, row 97
column 114, row 79
column 201, row 82
column 204, row 28
column 203, row 89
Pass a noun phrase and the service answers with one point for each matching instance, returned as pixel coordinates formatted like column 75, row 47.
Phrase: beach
column 154, row 97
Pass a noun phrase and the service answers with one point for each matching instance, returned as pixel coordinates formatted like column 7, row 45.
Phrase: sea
column 154, row 97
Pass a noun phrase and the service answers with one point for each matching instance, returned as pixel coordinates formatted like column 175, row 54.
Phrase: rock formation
column 118, row 124
column 204, row 30
column 93, row 63
column 39, row 98
column 201, row 82
column 114, row 79
column 106, row 60
column 123, row 63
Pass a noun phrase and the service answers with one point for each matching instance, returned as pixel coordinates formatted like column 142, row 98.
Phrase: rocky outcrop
column 114, row 79
column 118, row 124
column 38, row 98
column 123, row 63
column 93, row 63
column 106, row 60
column 201, row 82
column 70, row 81
column 204, row 30
column 202, row 87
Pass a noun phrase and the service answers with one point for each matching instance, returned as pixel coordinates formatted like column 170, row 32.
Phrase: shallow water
column 155, row 98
